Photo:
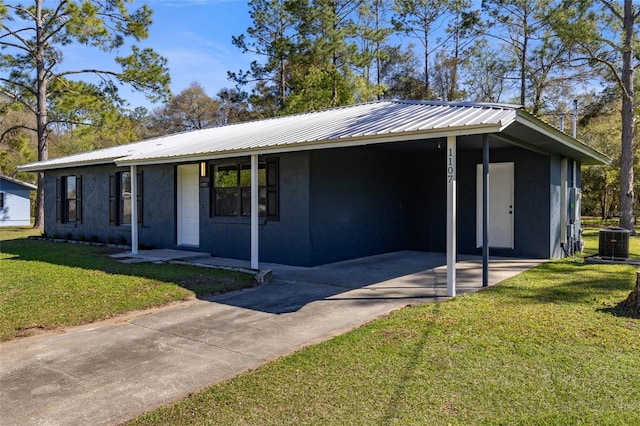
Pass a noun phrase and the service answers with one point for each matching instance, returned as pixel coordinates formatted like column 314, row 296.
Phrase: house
column 15, row 205
column 348, row 182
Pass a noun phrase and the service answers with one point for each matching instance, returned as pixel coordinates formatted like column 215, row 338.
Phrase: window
column 124, row 198
column 231, row 195
column 1, row 200
column 120, row 201
column 69, row 199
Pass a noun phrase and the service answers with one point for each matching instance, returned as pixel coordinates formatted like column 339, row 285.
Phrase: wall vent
column 614, row 243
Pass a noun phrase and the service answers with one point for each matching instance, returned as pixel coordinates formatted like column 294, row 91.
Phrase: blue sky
column 194, row 36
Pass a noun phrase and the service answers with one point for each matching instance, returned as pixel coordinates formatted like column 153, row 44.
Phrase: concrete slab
column 160, row 255
column 108, row 373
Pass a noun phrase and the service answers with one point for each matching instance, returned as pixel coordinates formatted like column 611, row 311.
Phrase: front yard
column 46, row 285
column 547, row 347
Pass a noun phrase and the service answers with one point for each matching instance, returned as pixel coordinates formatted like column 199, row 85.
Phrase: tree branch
column 12, row 33
column 25, row 87
column 612, row 9
column 56, row 14
column 14, row 128
column 87, row 71
column 607, row 64
column 21, row 9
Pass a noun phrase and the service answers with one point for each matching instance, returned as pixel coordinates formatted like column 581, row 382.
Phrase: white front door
column 188, row 208
column 500, row 205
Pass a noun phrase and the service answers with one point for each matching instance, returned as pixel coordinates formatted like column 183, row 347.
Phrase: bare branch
column 21, row 9
column 607, row 64
column 13, row 129
column 87, row 71
column 16, row 35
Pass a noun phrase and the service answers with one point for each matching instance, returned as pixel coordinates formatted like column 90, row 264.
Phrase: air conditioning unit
column 614, row 243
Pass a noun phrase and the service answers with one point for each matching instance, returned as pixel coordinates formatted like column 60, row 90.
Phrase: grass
column 597, row 222
column 45, row 285
column 547, row 347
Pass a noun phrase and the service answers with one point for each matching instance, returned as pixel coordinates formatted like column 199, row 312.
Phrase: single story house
column 15, row 204
column 342, row 183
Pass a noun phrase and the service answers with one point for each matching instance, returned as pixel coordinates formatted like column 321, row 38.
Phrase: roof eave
column 38, row 167
column 27, row 185
column 549, row 131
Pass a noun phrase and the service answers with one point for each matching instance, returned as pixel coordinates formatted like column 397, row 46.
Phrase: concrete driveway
column 106, row 373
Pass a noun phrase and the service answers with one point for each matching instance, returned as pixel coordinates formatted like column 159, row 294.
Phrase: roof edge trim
column 27, row 185
column 542, row 127
column 37, row 167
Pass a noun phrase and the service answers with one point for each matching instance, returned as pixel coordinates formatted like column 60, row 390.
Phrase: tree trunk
column 626, row 157
column 427, row 86
column 523, row 70
column 633, row 301
column 41, row 113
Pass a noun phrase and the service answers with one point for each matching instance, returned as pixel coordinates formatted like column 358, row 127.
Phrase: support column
column 451, row 216
column 134, row 209
column 563, row 201
column 485, row 210
column 254, row 211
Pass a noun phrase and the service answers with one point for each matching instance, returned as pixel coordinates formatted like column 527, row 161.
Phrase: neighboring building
column 15, row 206
column 336, row 184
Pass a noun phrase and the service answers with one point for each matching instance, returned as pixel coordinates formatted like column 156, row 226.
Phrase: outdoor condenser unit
column 614, row 243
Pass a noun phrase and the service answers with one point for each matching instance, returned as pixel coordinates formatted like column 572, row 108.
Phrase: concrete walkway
column 106, row 373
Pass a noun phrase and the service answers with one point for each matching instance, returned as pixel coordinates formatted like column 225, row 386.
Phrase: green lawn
column 547, row 347
column 46, row 285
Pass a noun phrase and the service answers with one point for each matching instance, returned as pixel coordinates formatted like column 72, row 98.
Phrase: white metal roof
column 376, row 122
column 17, row 182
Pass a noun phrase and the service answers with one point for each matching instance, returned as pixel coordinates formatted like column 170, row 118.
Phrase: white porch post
column 254, row 211
column 485, row 210
column 134, row 209
column 451, row 216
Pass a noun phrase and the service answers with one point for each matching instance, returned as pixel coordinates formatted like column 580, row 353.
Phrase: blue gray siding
column 337, row 204
column 284, row 241
column 531, row 202
column 158, row 227
column 358, row 204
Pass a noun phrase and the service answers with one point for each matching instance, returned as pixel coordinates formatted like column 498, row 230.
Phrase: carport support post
column 451, row 216
column 485, row 210
column 254, row 211
column 134, row 209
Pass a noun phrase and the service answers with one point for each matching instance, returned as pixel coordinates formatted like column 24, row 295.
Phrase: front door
column 188, row 208
column 500, row 205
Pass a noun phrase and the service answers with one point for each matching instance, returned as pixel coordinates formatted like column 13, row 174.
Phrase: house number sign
column 451, row 168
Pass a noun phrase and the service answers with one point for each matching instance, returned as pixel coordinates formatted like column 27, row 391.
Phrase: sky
column 193, row 35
